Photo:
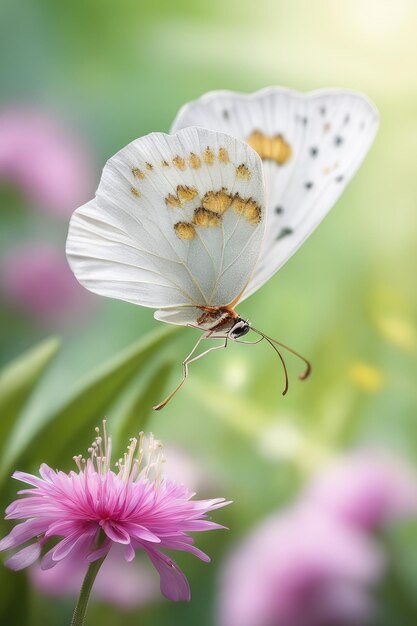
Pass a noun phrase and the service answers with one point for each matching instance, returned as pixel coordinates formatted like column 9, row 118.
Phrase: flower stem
column 78, row 617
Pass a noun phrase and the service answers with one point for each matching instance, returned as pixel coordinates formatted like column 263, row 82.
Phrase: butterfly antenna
column 284, row 367
column 304, row 375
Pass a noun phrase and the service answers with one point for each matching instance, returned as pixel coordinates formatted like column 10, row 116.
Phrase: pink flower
column 35, row 279
column 300, row 568
column 95, row 508
column 367, row 489
column 125, row 585
column 50, row 165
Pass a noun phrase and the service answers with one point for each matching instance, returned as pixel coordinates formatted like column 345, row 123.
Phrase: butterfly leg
column 185, row 365
column 249, row 343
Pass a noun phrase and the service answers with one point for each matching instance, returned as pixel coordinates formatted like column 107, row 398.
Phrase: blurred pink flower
column 126, row 585
column 45, row 160
column 300, row 568
column 367, row 489
column 35, row 279
column 135, row 508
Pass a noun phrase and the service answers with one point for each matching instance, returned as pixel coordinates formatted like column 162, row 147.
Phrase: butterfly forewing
column 311, row 145
column 177, row 221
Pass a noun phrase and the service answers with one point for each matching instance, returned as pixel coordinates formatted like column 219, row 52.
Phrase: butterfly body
column 192, row 223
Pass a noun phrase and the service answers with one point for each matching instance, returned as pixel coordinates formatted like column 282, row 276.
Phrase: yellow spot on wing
column 184, row 230
column 135, row 192
column 179, row 162
column 208, row 156
column 217, row 201
column 172, row 201
column 137, row 173
column 195, row 161
column 242, row 172
column 149, row 166
column 185, row 193
column 247, row 207
column 223, row 155
column 270, row 148
column 205, row 218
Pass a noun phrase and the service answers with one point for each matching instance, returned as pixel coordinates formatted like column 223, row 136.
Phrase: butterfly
column 194, row 222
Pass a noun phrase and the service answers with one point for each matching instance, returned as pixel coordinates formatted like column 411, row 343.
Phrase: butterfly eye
column 239, row 329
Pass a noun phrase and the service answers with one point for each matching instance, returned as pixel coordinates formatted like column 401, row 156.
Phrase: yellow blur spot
column 398, row 331
column 366, row 376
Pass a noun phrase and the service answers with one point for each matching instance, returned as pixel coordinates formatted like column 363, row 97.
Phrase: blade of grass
column 89, row 401
column 18, row 379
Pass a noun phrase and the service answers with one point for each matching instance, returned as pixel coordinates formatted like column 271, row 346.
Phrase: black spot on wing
column 309, row 184
column 314, row 151
column 340, row 178
column 284, row 232
column 279, row 210
column 226, row 114
column 338, row 140
column 302, row 119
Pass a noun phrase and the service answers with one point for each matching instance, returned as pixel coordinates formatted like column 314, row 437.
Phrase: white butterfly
column 180, row 222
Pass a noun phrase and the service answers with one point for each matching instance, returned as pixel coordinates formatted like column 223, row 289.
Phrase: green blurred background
column 113, row 71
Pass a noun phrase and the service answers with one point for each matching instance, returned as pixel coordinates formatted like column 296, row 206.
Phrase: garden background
column 101, row 73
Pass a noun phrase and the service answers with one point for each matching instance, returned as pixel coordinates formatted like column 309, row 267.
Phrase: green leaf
column 18, row 379
column 132, row 415
column 88, row 402
column 126, row 416
column 14, row 604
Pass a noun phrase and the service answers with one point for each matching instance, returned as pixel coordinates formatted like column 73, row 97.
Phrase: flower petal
column 97, row 554
column 129, row 553
column 64, row 547
column 30, row 479
column 141, row 532
column 115, row 532
column 21, row 533
column 174, row 543
column 47, row 561
column 174, row 584
column 24, row 557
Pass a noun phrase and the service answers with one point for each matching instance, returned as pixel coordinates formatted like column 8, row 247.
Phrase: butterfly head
column 239, row 328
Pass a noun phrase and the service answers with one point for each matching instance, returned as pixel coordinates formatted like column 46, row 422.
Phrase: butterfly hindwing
column 177, row 221
column 311, row 146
